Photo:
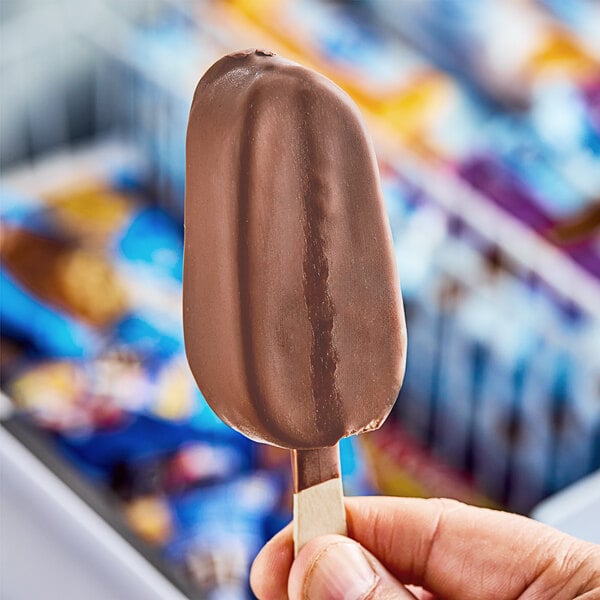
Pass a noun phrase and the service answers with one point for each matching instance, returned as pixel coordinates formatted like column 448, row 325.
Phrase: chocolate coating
column 293, row 319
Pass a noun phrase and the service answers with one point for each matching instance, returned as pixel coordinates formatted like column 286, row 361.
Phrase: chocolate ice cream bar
column 293, row 318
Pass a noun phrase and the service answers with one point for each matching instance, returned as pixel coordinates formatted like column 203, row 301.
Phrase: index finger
column 451, row 549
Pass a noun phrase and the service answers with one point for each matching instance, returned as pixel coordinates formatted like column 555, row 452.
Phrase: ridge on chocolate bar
column 293, row 319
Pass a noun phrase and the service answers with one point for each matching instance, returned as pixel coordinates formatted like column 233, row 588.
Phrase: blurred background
column 486, row 120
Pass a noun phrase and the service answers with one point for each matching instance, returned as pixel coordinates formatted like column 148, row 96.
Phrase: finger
column 332, row 567
column 448, row 548
column 459, row 551
column 271, row 568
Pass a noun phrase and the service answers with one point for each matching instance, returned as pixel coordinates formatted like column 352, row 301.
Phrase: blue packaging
column 221, row 529
column 49, row 330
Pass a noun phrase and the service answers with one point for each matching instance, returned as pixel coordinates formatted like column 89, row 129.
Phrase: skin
column 439, row 549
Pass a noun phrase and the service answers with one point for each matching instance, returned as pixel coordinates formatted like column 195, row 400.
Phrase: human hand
column 448, row 549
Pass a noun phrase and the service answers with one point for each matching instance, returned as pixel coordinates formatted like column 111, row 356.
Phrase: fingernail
column 340, row 572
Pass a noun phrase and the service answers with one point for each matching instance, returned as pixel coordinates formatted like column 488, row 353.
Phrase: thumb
column 332, row 567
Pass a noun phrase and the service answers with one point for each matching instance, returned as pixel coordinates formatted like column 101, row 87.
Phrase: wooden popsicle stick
column 318, row 494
